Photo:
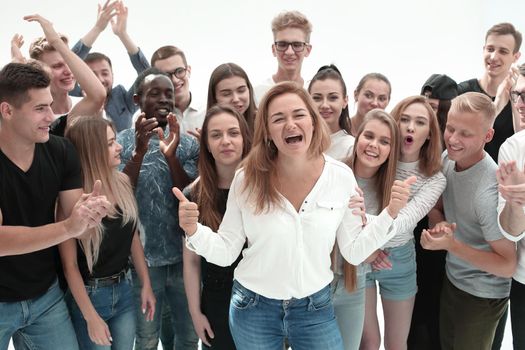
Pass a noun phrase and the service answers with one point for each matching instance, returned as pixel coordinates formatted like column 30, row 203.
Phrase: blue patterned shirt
column 158, row 207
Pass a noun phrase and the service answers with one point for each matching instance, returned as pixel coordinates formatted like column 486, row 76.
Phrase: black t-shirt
column 114, row 250
column 58, row 127
column 28, row 199
column 503, row 125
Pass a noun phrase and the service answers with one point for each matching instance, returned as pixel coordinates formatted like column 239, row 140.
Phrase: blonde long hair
column 89, row 136
column 259, row 165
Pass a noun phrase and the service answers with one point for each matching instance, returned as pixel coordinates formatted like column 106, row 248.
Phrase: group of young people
column 268, row 219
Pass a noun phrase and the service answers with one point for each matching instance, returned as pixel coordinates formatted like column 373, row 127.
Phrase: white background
column 407, row 40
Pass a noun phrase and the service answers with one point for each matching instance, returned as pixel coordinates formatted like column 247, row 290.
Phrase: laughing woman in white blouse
column 289, row 203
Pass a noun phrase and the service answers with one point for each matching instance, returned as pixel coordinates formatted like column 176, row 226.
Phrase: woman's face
column 114, row 148
column 414, row 125
column 224, row 138
column 372, row 147
column 330, row 100
column 233, row 91
column 375, row 93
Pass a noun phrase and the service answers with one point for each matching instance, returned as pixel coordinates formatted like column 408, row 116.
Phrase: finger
column 159, row 132
column 180, row 196
column 97, row 188
column 109, row 339
column 410, row 181
column 359, row 191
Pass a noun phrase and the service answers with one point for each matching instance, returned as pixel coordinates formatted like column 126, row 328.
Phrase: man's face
column 520, row 103
column 170, row 65
column 290, row 60
column 465, row 136
column 498, row 54
column 32, row 119
column 104, row 73
column 62, row 80
column 157, row 99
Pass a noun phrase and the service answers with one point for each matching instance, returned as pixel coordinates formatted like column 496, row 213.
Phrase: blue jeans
column 115, row 305
column 349, row 310
column 168, row 285
column 39, row 323
column 259, row 323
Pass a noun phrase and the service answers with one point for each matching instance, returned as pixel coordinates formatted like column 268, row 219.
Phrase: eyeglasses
column 514, row 95
column 179, row 73
column 297, row 46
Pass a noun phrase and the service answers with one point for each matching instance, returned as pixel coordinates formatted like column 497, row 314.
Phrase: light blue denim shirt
column 119, row 105
column 158, row 207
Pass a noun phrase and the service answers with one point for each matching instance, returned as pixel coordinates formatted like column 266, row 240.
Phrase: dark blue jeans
column 259, row 323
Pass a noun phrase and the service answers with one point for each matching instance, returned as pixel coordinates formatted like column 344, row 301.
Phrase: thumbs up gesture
column 188, row 213
column 399, row 195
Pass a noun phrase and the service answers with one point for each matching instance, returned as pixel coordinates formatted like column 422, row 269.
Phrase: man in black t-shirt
column 501, row 50
column 39, row 178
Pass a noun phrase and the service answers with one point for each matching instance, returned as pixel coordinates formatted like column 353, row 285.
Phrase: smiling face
column 172, row 64
column 114, row 148
column 372, row 148
column 32, row 119
column 498, row 54
column 156, row 100
column 414, row 125
column 224, row 139
column 233, row 91
column 290, row 125
column 465, row 136
column 375, row 93
column 62, row 80
column 104, row 73
column 289, row 60
column 330, row 100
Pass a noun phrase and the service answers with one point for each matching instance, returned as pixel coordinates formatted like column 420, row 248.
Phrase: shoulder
column 513, row 147
column 338, row 170
column 468, row 85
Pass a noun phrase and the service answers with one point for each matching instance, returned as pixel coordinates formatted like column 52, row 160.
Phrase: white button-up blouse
column 288, row 251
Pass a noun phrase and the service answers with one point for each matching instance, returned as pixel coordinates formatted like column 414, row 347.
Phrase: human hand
column 144, row 129
column 399, row 195
column 148, row 302
column 511, row 182
column 50, row 33
column 168, row 146
column 188, row 213
column 16, row 44
column 98, row 331
column 357, row 203
column 202, row 327
column 87, row 213
column 196, row 133
column 119, row 25
column 104, row 14
column 440, row 237
column 381, row 261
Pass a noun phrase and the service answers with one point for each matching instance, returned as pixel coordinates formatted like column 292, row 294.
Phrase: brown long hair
column 385, row 176
column 89, row 136
column 204, row 188
column 259, row 166
column 225, row 71
column 430, row 153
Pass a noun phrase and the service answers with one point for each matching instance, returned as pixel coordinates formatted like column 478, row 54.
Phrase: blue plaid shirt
column 158, row 207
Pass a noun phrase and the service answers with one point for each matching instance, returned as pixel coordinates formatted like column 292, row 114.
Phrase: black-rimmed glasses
column 179, row 73
column 297, row 46
column 514, row 95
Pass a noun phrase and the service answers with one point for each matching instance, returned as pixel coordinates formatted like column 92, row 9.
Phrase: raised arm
column 95, row 94
column 104, row 14
column 16, row 44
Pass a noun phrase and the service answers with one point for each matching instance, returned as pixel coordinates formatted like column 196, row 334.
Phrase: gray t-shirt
column 470, row 200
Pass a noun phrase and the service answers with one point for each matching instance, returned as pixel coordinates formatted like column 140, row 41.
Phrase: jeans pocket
column 242, row 298
column 320, row 300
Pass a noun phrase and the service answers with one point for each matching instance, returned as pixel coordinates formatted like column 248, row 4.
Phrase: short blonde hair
column 292, row 19
column 476, row 103
column 40, row 45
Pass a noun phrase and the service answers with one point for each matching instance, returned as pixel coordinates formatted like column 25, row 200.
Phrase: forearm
column 139, row 261
column 488, row 261
column 132, row 167
column 128, row 43
column 78, row 290
column 178, row 175
column 512, row 219
column 91, row 36
column 192, row 279
column 15, row 240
